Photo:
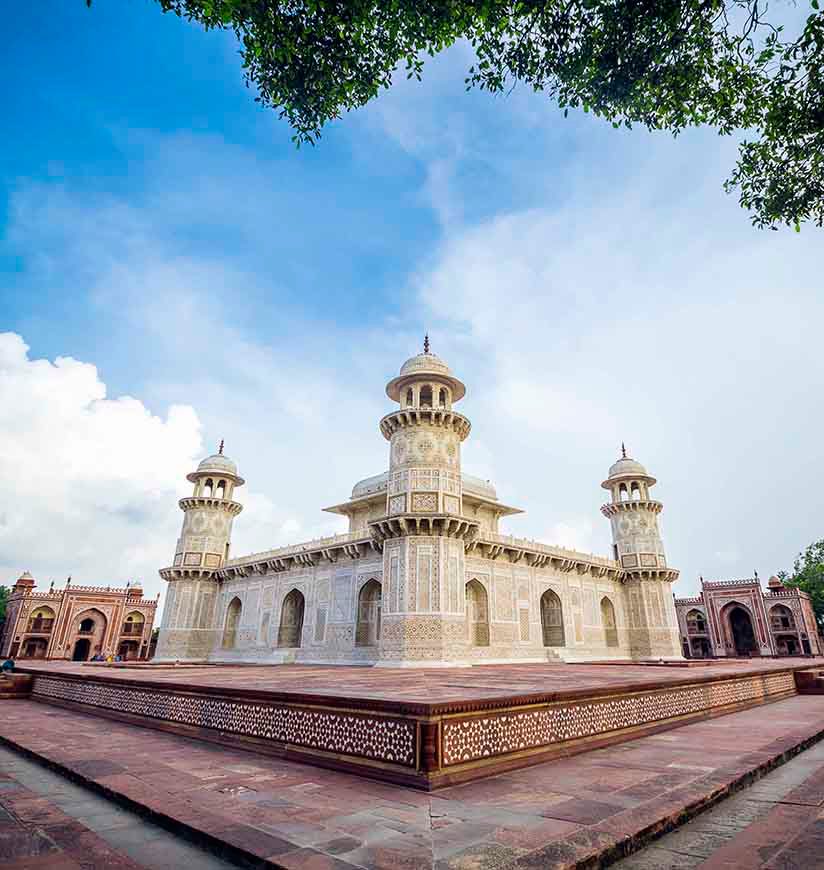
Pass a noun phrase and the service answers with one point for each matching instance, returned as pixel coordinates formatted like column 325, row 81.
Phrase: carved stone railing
column 347, row 545
column 492, row 545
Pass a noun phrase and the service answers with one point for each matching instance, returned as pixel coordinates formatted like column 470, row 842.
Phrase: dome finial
column 426, row 343
column 623, row 451
column 220, row 448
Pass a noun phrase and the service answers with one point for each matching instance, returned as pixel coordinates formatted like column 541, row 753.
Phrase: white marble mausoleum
column 424, row 576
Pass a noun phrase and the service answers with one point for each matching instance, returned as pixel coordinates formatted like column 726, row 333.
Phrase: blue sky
column 159, row 227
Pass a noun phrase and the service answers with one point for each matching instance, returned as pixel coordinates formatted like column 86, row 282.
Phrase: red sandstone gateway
column 77, row 623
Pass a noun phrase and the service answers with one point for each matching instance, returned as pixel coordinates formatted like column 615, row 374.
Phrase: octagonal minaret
column 187, row 631
column 424, row 530
column 652, row 624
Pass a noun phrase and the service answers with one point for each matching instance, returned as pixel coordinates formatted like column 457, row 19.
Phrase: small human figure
column 7, row 666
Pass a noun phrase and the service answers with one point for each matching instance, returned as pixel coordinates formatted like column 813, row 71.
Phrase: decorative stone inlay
column 424, row 502
column 376, row 737
column 473, row 738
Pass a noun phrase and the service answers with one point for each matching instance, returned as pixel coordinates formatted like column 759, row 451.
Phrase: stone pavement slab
column 775, row 824
column 49, row 823
column 570, row 812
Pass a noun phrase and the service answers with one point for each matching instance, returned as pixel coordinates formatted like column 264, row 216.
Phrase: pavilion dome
column 25, row 579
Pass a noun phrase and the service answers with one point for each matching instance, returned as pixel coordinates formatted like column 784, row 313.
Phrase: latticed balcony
column 38, row 625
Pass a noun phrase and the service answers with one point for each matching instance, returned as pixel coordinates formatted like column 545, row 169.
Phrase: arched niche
column 368, row 630
column 477, row 613
column 552, row 619
column 230, row 626
column 291, row 620
column 608, row 621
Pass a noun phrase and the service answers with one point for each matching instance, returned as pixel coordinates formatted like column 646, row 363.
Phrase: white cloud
column 91, row 482
column 665, row 322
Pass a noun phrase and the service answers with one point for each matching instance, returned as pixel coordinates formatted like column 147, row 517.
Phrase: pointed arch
column 477, row 613
column 696, row 622
column 91, row 621
column 133, row 623
column 552, row 619
column 41, row 619
column 291, row 620
column 89, row 633
column 740, row 629
column 608, row 621
column 233, row 612
column 781, row 618
column 368, row 629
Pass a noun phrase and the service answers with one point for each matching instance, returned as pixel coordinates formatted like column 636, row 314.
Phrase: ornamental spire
column 426, row 343
column 623, row 451
column 220, row 448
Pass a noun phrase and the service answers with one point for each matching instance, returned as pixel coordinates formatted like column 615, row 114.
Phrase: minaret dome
column 425, row 381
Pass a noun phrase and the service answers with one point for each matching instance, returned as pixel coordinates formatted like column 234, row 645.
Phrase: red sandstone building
column 76, row 623
column 738, row 618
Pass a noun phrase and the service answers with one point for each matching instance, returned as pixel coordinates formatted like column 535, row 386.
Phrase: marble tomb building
column 424, row 576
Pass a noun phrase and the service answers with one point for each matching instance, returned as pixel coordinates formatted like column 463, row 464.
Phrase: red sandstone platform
column 425, row 728
column 571, row 812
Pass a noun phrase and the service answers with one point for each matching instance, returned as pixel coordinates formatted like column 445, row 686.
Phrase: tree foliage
column 664, row 64
column 4, row 597
column 808, row 575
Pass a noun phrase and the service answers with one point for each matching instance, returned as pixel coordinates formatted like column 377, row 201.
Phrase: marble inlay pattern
column 478, row 737
column 376, row 737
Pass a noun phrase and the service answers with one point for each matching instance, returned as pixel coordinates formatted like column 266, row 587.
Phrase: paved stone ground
column 435, row 685
column 552, row 815
column 775, row 824
column 49, row 823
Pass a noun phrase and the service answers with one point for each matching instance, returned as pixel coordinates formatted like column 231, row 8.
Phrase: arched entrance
column 608, row 621
column 232, row 621
column 82, row 647
column 742, row 631
column 552, row 619
column 89, row 634
column 291, row 620
column 368, row 630
column 477, row 613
